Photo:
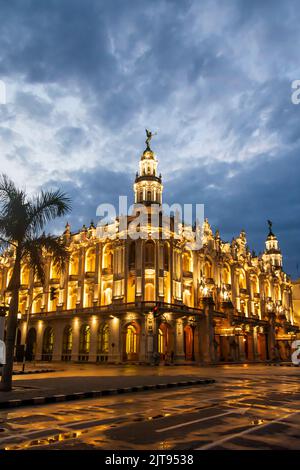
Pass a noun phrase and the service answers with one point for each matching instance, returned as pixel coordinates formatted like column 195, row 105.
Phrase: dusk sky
column 213, row 78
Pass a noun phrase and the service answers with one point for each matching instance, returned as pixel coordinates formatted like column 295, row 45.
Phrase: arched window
column 207, row 270
column 103, row 339
column 74, row 264
column 132, row 255
column 54, row 271
column 149, row 292
column 84, row 339
column 226, row 278
column 187, row 261
column 107, row 258
column 25, row 276
column 148, row 195
column 267, row 289
column 90, row 260
column 242, row 281
column 149, row 254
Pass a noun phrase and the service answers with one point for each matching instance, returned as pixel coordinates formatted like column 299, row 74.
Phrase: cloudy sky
column 212, row 78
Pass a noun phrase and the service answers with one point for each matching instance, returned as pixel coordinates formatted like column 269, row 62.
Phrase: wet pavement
column 248, row 408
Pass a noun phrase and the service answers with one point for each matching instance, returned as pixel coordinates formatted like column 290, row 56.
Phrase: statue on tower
column 149, row 135
column 270, row 223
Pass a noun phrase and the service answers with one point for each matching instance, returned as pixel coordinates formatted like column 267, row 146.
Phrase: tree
column 22, row 220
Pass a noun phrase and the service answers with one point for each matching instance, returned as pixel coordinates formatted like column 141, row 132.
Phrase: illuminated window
column 90, row 260
column 25, row 276
column 149, row 292
column 74, row 264
column 208, row 270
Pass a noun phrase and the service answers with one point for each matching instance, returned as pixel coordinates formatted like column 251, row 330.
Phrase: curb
column 283, row 365
column 37, row 371
column 98, row 393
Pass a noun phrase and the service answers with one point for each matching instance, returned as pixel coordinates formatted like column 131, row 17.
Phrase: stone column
column 94, row 325
column 143, row 341
column 75, row 346
column 255, row 345
column 272, row 336
column 241, row 343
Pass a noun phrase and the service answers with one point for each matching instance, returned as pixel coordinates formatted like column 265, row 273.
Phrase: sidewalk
column 84, row 381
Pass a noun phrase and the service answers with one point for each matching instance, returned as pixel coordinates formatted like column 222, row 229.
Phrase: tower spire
column 272, row 252
column 148, row 185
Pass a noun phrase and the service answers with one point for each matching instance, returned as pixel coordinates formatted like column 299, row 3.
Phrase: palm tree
column 22, row 220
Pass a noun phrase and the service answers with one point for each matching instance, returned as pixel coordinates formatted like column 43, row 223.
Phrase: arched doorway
column 189, row 343
column 84, row 343
column 165, row 342
column 30, row 345
column 67, row 344
column 131, row 342
column 48, row 342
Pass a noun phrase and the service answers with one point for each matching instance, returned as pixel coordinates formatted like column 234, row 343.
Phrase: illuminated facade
column 123, row 300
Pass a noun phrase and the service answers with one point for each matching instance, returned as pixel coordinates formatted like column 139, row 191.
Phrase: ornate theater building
column 154, row 299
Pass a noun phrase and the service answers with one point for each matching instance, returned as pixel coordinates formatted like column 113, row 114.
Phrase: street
column 252, row 407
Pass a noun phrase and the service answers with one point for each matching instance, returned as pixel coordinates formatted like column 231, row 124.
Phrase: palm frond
column 45, row 207
column 33, row 253
column 48, row 244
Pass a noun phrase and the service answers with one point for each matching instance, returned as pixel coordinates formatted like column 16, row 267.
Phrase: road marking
column 247, row 431
column 198, row 420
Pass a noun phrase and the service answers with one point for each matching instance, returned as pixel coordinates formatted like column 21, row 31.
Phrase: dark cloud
column 213, row 77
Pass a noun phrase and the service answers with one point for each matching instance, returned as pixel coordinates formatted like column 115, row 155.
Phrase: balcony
column 90, row 274
column 187, row 274
column 54, row 280
column 73, row 277
column 37, row 284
